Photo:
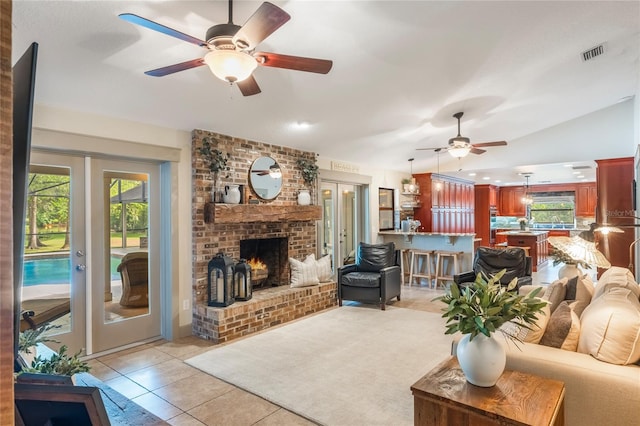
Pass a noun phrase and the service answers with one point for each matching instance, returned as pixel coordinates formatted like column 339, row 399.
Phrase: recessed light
column 472, row 174
column 497, row 181
column 486, row 178
column 300, row 125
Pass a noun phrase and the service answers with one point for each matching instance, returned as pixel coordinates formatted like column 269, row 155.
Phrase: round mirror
column 265, row 178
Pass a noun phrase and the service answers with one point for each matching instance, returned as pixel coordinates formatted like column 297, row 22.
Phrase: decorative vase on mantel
column 304, row 198
column 482, row 359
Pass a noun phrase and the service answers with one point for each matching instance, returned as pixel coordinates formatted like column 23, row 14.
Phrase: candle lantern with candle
column 220, row 286
column 242, row 279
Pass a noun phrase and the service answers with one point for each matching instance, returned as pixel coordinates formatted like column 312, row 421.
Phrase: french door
column 54, row 276
column 341, row 221
column 125, row 218
column 86, row 215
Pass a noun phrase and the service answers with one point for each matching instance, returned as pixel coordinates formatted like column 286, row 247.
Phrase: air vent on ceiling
column 581, row 167
column 593, row 53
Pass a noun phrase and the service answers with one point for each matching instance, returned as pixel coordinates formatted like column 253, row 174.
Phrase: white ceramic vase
column 569, row 270
column 304, row 198
column 482, row 359
column 231, row 194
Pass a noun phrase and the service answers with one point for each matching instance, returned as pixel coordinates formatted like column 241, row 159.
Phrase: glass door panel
column 54, row 269
column 340, row 231
column 127, row 291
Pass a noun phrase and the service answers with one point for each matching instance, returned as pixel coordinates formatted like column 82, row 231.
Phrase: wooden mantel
column 241, row 213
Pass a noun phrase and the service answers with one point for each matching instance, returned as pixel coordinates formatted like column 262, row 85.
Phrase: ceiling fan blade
column 496, row 143
column 298, row 63
column 477, row 150
column 431, row 149
column 260, row 25
column 138, row 20
column 249, row 86
column 161, row 72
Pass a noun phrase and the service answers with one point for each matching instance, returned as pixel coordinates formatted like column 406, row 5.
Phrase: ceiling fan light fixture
column 230, row 65
column 459, row 151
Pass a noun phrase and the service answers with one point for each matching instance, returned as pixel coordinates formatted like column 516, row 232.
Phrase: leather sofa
column 374, row 277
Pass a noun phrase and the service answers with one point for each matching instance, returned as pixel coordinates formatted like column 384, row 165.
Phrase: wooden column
column 615, row 206
column 6, row 221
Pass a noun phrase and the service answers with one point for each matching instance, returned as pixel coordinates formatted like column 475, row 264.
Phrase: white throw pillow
column 616, row 276
column 611, row 327
column 323, row 267
column 303, row 274
column 537, row 330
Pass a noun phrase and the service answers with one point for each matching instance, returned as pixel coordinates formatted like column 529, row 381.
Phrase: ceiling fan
column 232, row 56
column 460, row 146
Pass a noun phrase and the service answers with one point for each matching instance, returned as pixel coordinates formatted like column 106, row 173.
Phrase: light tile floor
column 156, row 378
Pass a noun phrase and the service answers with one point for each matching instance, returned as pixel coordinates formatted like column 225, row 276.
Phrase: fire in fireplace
column 268, row 259
column 259, row 272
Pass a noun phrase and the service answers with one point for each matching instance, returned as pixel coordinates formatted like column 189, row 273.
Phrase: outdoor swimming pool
column 55, row 270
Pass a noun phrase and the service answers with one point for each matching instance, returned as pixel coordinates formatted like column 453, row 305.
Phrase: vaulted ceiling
column 401, row 69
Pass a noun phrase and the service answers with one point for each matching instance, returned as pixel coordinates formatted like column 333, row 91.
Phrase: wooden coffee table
column 444, row 397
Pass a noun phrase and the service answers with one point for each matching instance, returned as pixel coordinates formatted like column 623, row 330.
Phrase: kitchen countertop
column 436, row 234
column 522, row 233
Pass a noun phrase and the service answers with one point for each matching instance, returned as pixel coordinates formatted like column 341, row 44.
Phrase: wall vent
column 593, row 53
column 581, row 167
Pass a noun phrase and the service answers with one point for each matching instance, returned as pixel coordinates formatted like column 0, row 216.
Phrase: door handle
column 81, row 267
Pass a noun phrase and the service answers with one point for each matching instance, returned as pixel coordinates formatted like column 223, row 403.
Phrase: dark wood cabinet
column 614, row 179
column 446, row 204
column 511, row 201
column 537, row 243
column 586, row 199
column 485, row 199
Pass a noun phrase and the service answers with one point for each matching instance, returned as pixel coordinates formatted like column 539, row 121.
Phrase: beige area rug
column 352, row 365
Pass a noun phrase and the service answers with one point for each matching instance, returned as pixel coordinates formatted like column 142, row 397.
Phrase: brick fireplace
column 280, row 228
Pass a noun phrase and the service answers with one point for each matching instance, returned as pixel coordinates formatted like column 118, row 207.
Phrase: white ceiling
column 401, row 70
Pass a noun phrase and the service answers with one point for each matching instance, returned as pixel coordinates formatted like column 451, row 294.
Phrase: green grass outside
column 54, row 242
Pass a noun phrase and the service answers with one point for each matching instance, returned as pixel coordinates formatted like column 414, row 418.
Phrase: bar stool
column 405, row 264
column 421, row 264
column 451, row 257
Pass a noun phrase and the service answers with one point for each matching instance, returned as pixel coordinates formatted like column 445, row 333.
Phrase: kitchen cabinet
column 446, row 204
column 485, row 199
column 535, row 240
column 511, row 201
column 586, row 199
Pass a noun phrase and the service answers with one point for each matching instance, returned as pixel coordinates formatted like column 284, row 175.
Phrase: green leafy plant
column 406, row 181
column 560, row 256
column 309, row 170
column 484, row 306
column 216, row 159
column 31, row 337
column 60, row 363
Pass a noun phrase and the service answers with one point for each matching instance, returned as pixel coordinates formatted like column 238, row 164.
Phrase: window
column 553, row 210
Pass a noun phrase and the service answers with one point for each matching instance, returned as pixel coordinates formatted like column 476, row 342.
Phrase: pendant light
column 413, row 186
column 527, row 199
column 438, row 182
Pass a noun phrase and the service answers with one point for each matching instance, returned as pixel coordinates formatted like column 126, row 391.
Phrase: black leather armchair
column 491, row 261
column 374, row 278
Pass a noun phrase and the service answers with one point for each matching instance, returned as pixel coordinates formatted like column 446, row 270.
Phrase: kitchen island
column 535, row 240
column 465, row 243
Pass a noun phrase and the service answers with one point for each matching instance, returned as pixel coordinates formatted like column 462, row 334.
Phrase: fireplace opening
column 268, row 260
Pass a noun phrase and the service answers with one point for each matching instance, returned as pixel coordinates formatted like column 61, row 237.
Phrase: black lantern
column 242, row 279
column 220, row 281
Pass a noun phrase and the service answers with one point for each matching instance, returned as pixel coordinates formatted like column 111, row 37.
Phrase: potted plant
column 58, row 364
column 217, row 162
column 309, row 170
column 478, row 311
column 405, row 184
